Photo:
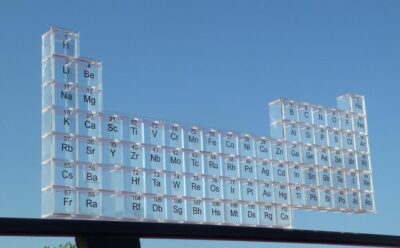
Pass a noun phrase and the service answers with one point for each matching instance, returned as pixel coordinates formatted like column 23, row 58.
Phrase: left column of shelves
column 71, row 93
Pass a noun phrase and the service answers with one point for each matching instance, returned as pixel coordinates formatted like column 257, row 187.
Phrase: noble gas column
column 100, row 165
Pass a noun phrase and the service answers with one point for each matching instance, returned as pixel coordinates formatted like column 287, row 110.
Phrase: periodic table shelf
column 100, row 165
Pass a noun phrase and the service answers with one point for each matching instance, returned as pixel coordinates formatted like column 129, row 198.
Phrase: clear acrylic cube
column 350, row 161
column 133, row 129
column 60, row 41
column 61, row 147
column 212, row 141
column 134, row 155
column 340, row 199
column 231, row 188
column 326, row 200
column 336, row 158
column 354, row 200
column 89, row 149
column 89, row 73
column 284, row 216
column 297, row 196
column 307, row 134
column 193, row 138
column 247, row 168
column 134, row 180
column 311, row 197
column 59, row 202
column 233, row 213
column 322, row 156
column 365, row 181
column 249, row 190
column 112, row 206
column 282, row 194
column 338, row 179
column 250, row 214
column 264, row 170
column 305, row 113
column 155, row 182
column 296, row 174
column 267, row 215
column 90, row 176
column 63, row 70
column 62, row 96
column 230, row 166
column 194, row 162
column 111, row 126
column 333, row 118
column 134, row 206
column 335, row 138
column 263, row 147
column 321, row 136
column 154, row 157
column 325, row 177
column 360, row 124
column 194, row 185
column 280, row 172
column 195, row 210
column 293, row 153
column 363, row 161
column 212, row 164
column 89, row 203
column 308, row 154
column 319, row 116
column 90, row 99
column 156, row 208
column 229, row 143
column 89, row 124
column 154, row 133
column 214, row 212
column 112, row 152
column 265, row 192
column 174, row 160
column 59, row 173
column 176, row 209
column 175, row 184
column 174, row 135
column 213, row 187
column 246, row 146
column 367, row 202
column 346, row 121
column 362, row 144
column 291, row 131
column 310, row 176
column 278, row 150
column 59, row 121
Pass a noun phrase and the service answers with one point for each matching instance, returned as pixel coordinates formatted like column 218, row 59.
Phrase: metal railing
column 115, row 234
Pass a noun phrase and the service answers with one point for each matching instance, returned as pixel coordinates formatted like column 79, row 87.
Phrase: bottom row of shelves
column 80, row 203
column 86, row 204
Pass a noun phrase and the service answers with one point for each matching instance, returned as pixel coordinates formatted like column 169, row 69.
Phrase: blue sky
column 211, row 63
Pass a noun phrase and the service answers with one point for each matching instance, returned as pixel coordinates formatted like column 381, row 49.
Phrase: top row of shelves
column 349, row 107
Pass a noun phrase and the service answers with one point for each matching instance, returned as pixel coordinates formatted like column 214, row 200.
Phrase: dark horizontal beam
column 75, row 228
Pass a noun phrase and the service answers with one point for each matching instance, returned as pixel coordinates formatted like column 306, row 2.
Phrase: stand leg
column 107, row 242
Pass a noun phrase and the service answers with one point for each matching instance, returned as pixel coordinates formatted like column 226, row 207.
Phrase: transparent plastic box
column 60, row 41
column 110, row 166
column 59, row 202
column 267, row 215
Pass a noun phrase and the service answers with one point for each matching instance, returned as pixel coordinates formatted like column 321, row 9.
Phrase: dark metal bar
column 91, row 228
column 107, row 241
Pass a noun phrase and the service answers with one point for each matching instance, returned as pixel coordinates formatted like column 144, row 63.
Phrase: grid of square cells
column 331, row 145
column 99, row 165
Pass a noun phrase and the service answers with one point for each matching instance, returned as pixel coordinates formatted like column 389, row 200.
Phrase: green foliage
column 67, row 245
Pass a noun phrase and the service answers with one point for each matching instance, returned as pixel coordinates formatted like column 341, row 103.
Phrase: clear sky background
column 211, row 63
